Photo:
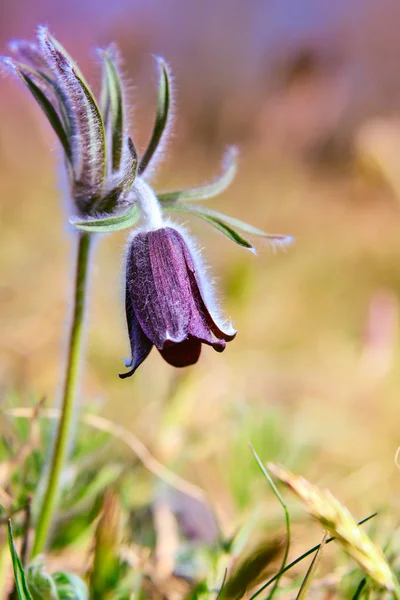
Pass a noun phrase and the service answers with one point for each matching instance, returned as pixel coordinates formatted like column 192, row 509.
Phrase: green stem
column 62, row 441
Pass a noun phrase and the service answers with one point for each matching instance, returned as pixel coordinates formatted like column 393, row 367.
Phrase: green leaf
column 163, row 106
column 115, row 106
column 228, row 225
column 19, row 574
column 217, row 222
column 41, row 584
column 213, row 219
column 109, row 224
column 360, row 589
column 299, row 559
column 106, row 568
column 28, row 76
column 287, row 520
column 220, row 184
column 305, row 586
column 70, row 587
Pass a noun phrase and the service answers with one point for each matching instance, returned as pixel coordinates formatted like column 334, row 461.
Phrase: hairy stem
column 63, row 435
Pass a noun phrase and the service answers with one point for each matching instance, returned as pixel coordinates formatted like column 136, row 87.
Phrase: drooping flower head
column 166, row 301
column 169, row 301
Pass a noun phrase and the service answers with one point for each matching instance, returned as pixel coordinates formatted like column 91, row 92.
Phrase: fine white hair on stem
column 148, row 204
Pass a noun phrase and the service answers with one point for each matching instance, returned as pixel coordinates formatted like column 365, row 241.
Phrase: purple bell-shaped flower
column 168, row 300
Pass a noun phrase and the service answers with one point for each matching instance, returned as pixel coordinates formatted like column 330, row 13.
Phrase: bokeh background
column 309, row 90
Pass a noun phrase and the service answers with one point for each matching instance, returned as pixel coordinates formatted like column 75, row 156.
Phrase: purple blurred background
column 287, row 75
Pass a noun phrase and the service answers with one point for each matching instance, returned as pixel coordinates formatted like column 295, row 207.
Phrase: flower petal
column 140, row 344
column 220, row 331
column 159, row 287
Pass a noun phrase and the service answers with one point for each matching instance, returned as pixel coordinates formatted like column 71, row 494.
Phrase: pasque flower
column 169, row 301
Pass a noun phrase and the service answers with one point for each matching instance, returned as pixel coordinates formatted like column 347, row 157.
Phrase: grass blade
column 222, row 585
column 360, row 589
column 300, row 558
column 305, row 586
column 287, row 520
column 19, row 575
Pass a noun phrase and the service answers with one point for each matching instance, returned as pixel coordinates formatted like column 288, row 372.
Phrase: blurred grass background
column 312, row 379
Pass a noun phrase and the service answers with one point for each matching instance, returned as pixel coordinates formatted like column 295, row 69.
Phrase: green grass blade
column 305, row 586
column 299, row 559
column 229, row 168
column 221, row 587
column 163, row 106
column 360, row 589
column 287, row 520
column 19, row 575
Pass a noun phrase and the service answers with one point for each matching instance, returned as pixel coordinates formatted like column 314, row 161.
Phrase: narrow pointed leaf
column 220, row 184
column 163, row 106
column 305, row 586
column 216, row 221
column 360, row 589
column 19, row 575
column 299, row 559
column 287, row 520
column 29, row 77
column 228, row 225
column 114, row 107
column 109, row 224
